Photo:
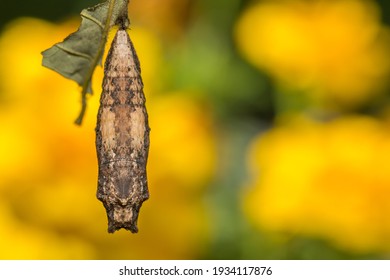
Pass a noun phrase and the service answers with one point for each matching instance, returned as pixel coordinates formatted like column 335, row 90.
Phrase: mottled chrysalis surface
column 122, row 137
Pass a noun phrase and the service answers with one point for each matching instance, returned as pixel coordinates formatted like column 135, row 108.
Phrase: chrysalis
column 122, row 137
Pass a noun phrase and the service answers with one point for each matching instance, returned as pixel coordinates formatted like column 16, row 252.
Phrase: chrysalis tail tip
column 131, row 228
column 122, row 217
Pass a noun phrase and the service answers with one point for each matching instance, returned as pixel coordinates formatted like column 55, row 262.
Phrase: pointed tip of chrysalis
column 122, row 217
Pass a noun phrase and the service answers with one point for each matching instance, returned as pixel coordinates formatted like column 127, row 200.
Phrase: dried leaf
column 78, row 55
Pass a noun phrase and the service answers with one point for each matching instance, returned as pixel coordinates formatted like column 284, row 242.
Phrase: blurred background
column 270, row 133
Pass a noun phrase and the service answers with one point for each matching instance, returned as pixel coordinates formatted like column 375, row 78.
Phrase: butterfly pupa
column 122, row 136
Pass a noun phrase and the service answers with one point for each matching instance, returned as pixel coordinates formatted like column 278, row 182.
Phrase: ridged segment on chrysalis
column 122, row 136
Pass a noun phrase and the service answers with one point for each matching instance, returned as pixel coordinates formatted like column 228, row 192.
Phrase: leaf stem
column 88, row 78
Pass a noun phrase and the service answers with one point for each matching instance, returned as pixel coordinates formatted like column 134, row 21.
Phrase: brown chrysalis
column 122, row 136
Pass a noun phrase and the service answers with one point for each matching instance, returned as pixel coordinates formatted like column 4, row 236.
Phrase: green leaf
column 78, row 55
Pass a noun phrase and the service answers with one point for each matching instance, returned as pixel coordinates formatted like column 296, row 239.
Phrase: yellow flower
column 328, row 180
column 21, row 240
column 182, row 161
column 48, row 167
column 337, row 51
column 181, row 133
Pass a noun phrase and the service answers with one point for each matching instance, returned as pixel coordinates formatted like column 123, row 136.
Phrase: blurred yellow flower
column 327, row 180
column 48, row 167
column 185, row 127
column 22, row 240
column 336, row 51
